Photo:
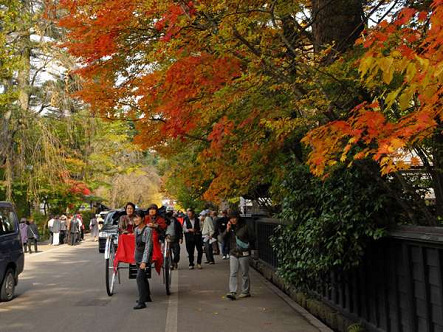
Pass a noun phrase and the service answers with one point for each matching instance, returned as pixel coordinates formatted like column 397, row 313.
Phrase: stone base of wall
column 327, row 314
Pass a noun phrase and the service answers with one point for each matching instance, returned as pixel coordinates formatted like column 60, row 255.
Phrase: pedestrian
column 177, row 239
column 142, row 255
column 56, row 231
column 126, row 222
column 93, row 227
column 74, row 229
column 24, row 233
column 241, row 239
column 50, row 224
column 69, row 218
column 100, row 222
column 193, row 238
column 215, row 248
column 221, row 224
column 63, row 229
column 81, row 228
column 207, row 234
column 32, row 235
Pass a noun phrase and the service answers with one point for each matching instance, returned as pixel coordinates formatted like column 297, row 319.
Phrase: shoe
column 228, row 256
column 199, row 266
column 140, row 306
column 231, row 296
column 191, row 267
column 224, row 257
column 207, row 262
column 243, row 295
column 211, row 263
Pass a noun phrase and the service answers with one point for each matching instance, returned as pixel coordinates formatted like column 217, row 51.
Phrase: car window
column 8, row 220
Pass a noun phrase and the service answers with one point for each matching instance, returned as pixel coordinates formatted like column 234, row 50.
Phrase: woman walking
column 24, row 234
column 93, row 227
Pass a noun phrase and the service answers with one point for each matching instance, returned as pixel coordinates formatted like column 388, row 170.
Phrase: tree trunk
column 337, row 22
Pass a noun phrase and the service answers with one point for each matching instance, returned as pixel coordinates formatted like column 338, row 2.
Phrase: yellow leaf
column 405, row 100
column 385, row 63
column 366, row 64
column 423, row 62
column 439, row 72
column 391, row 97
column 388, row 75
column 410, row 71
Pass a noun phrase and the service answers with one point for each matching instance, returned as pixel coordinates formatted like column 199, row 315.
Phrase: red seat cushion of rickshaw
column 126, row 248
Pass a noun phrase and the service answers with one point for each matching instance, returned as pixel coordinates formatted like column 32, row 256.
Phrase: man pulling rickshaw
column 137, row 241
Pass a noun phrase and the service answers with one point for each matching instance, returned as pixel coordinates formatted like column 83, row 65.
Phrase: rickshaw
column 110, row 232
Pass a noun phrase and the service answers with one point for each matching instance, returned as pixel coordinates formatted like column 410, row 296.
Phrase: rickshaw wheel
column 110, row 273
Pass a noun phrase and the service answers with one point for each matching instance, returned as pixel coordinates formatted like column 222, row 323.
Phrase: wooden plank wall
column 397, row 288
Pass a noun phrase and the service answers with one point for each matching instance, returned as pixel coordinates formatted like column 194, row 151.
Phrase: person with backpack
column 241, row 240
column 32, row 235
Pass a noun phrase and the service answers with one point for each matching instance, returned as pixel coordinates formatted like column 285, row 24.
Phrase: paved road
column 63, row 289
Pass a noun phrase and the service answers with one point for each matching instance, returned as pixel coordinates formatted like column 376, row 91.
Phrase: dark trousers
column 73, row 238
column 51, row 236
column 196, row 242
column 175, row 248
column 62, row 237
column 215, row 248
column 143, row 285
column 209, row 252
column 30, row 241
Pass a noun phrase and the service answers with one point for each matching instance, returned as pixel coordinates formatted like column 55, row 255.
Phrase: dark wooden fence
column 397, row 288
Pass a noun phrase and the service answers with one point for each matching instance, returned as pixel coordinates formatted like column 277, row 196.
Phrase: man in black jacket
column 241, row 240
column 32, row 235
column 193, row 238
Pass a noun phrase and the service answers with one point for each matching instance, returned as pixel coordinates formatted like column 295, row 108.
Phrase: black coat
column 243, row 232
column 187, row 225
column 32, row 231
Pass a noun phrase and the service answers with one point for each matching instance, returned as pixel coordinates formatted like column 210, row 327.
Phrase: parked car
column 11, row 251
column 110, row 226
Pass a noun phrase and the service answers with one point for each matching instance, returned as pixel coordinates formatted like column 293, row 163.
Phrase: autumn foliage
column 403, row 68
column 227, row 89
